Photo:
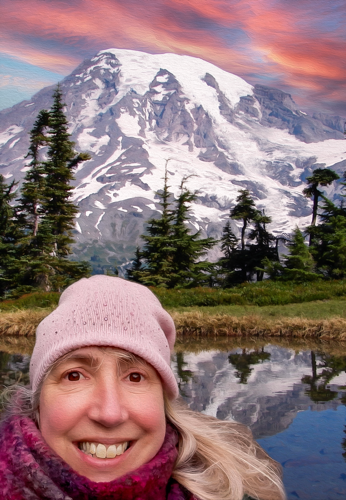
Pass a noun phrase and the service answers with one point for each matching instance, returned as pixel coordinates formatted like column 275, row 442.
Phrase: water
column 292, row 396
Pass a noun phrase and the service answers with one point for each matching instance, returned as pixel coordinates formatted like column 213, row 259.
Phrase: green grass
column 31, row 301
column 309, row 310
column 267, row 298
column 261, row 294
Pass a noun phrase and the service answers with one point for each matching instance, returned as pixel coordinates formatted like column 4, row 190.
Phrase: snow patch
column 98, row 204
column 88, row 142
column 98, row 221
column 9, row 133
column 152, row 206
column 162, row 78
column 13, row 143
column 137, row 170
column 129, row 124
column 137, row 208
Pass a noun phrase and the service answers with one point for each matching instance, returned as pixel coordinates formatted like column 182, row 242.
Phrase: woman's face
column 99, row 403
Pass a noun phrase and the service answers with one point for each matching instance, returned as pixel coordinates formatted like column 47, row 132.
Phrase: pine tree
column 157, row 254
column 171, row 256
column 227, row 265
column 320, row 177
column 9, row 235
column 58, row 209
column 329, row 241
column 228, row 240
column 46, row 212
column 244, row 210
column 264, row 247
column 241, row 264
column 299, row 264
column 32, row 188
column 136, row 267
column 188, row 268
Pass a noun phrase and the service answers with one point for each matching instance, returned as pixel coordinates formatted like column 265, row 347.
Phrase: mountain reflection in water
column 291, row 395
column 292, row 398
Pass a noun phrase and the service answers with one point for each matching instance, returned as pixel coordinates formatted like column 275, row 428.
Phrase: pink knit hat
column 106, row 311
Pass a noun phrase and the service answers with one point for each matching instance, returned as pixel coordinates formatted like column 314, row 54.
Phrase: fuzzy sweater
column 30, row 470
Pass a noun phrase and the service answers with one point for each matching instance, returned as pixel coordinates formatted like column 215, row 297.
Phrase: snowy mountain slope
column 134, row 111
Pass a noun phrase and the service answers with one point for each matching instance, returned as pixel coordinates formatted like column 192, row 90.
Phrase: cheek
column 150, row 416
column 57, row 415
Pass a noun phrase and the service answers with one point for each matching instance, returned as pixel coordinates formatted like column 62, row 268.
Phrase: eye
column 135, row 377
column 74, row 376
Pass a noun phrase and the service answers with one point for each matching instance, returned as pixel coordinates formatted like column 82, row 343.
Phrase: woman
column 102, row 420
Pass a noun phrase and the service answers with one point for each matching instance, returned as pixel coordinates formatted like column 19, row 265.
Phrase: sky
column 297, row 46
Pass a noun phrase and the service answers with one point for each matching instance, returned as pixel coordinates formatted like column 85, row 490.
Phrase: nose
column 107, row 406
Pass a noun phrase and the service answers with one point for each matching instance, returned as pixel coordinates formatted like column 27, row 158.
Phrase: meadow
column 264, row 309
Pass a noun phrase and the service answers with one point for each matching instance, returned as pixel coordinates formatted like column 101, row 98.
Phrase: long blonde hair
column 220, row 459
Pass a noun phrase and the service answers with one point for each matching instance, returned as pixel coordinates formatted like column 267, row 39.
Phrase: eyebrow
column 95, row 362
column 87, row 359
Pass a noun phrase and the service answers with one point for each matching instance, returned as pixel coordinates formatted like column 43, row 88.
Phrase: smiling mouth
column 100, row 450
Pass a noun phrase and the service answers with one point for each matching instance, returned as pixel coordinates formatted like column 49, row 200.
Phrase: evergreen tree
column 229, row 263
column 188, row 268
column 9, row 235
column 136, row 266
column 298, row 265
column 244, row 210
column 171, row 255
column 263, row 247
column 58, row 209
column 241, row 264
column 329, row 247
column 236, row 268
column 320, row 177
column 46, row 212
column 30, row 200
column 157, row 253
column 329, row 241
column 229, row 241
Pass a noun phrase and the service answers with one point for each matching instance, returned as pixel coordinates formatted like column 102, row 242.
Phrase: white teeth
column 112, row 451
column 101, row 451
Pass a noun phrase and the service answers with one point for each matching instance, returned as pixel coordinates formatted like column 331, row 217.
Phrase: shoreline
column 195, row 324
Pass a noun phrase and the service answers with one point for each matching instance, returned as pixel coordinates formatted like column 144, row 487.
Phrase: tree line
column 172, row 257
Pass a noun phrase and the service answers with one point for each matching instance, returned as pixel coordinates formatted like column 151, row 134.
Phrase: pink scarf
column 30, row 470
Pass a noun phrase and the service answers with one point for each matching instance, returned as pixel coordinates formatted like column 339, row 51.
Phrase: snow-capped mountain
column 134, row 111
